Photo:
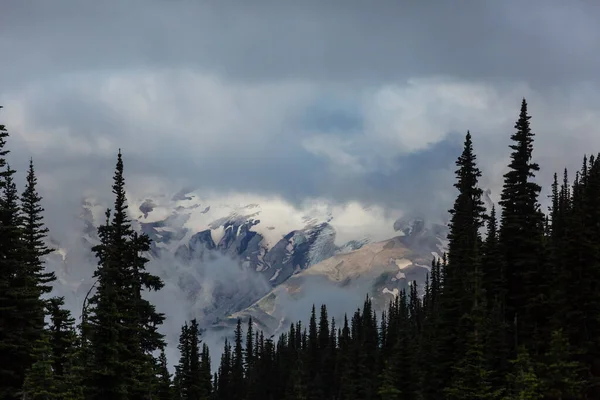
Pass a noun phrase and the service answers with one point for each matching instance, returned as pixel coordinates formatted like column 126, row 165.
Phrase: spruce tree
column 560, row 376
column 17, row 288
column 237, row 363
column 521, row 239
column 34, row 233
column 205, row 373
column 40, row 381
column 163, row 390
column 224, row 381
column 183, row 376
column 524, row 382
column 464, row 256
column 62, row 339
column 123, row 325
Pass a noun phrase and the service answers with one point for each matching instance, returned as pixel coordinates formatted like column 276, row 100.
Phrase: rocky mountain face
column 381, row 270
column 216, row 258
column 224, row 259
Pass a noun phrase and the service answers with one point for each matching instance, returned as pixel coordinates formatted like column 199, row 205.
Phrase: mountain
column 381, row 269
column 219, row 256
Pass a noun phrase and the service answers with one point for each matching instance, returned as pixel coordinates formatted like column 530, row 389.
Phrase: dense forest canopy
column 511, row 311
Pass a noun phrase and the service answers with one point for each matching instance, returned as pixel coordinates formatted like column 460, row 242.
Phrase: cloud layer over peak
column 342, row 100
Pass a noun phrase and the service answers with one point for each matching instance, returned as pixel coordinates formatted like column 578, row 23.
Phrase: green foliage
column 524, row 383
column 40, row 381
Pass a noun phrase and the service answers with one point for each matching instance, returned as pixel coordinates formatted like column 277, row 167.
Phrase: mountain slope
column 218, row 256
column 380, row 269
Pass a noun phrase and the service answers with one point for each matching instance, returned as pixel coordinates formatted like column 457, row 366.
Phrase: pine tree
column 472, row 378
column 464, row 244
column 237, row 363
column 521, row 239
column 16, row 288
column 224, row 381
column 524, row 381
column 194, row 388
column 34, row 233
column 182, row 378
column 205, row 373
column 40, row 381
column 560, row 377
column 62, row 339
column 123, row 326
column 163, row 390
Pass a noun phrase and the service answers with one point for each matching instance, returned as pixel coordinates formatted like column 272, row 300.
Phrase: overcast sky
column 343, row 99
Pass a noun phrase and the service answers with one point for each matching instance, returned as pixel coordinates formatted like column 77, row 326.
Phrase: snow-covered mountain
column 219, row 256
column 241, row 255
column 380, row 269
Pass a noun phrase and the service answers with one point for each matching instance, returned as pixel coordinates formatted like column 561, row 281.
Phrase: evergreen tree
column 521, row 239
column 122, row 325
column 40, row 381
column 560, row 377
column 17, row 288
column 205, row 373
column 163, row 390
column 224, row 381
column 182, row 378
column 34, row 233
column 62, row 341
column 464, row 244
column 524, row 381
column 237, row 363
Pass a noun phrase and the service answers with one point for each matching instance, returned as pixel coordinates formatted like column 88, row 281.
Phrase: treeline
column 512, row 311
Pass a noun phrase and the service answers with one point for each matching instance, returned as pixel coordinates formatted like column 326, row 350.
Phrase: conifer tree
column 524, row 383
column 62, row 339
column 205, row 373
column 34, row 233
column 164, row 389
column 224, row 375
column 521, row 238
column 194, row 387
column 237, row 362
column 10, row 378
column 182, row 378
column 40, row 381
column 560, row 376
column 16, row 288
column 123, row 325
column 464, row 244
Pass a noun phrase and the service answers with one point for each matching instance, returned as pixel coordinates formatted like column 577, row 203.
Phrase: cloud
column 339, row 41
column 194, row 129
column 301, row 99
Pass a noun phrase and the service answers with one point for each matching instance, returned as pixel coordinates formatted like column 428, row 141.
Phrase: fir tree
column 17, row 288
column 40, row 381
column 34, row 233
column 521, row 238
column 163, row 390
column 205, row 373
column 524, row 381
column 237, row 363
column 62, row 339
column 560, row 376
column 123, row 325
column 464, row 244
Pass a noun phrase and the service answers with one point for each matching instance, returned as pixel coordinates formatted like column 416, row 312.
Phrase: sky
column 343, row 100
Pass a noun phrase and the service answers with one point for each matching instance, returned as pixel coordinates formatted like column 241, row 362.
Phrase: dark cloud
column 296, row 98
column 544, row 42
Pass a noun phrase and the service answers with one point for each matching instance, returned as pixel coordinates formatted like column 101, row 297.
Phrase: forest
column 510, row 312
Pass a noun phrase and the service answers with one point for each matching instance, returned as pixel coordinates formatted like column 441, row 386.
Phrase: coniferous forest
column 511, row 311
